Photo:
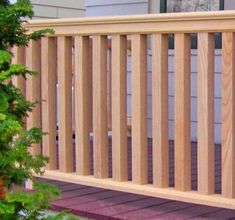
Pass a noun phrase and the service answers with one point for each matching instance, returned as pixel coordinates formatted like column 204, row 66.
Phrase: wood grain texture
column 182, row 113
column 228, row 115
column 65, row 104
column 83, row 99
column 139, row 109
column 33, row 89
column 160, row 110
column 19, row 58
column 109, row 88
column 119, row 108
column 49, row 80
column 190, row 22
column 100, row 114
column 147, row 190
column 206, row 170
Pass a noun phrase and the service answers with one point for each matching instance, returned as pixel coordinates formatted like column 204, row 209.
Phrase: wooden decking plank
column 187, row 213
column 66, row 203
column 149, row 212
column 80, row 192
column 128, row 207
column 92, row 202
column 92, row 207
column 71, row 187
column 218, row 214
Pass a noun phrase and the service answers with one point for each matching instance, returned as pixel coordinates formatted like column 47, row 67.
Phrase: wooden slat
column 109, row 88
column 206, row 169
column 19, row 58
column 139, row 109
column 33, row 89
column 100, row 117
column 128, row 44
column 119, row 114
column 160, row 110
column 182, row 113
column 65, row 104
column 48, row 75
column 83, row 98
column 228, row 115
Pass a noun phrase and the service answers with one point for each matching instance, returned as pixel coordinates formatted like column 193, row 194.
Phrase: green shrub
column 16, row 163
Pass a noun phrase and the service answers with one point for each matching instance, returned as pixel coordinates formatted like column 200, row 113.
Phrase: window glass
column 192, row 5
column 169, row 6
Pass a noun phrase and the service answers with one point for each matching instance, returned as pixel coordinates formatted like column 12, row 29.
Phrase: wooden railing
column 75, row 58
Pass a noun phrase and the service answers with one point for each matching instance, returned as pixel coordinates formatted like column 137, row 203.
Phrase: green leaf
column 2, row 117
column 3, row 102
column 6, row 208
column 5, row 57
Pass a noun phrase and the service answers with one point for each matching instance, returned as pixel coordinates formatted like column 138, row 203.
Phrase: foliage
column 16, row 163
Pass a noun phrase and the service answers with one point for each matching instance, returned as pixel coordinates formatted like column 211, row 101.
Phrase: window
column 170, row 6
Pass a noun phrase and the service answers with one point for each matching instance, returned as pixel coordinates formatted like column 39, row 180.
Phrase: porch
column 84, row 84
column 100, row 203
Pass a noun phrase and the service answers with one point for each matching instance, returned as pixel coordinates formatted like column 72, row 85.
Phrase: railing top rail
column 189, row 22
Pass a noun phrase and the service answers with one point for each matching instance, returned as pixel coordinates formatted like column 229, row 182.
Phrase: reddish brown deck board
column 219, row 214
column 128, row 207
column 98, row 204
column 66, row 203
column 80, row 192
column 148, row 212
column 89, row 209
column 70, row 187
column 107, row 204
column 187, row 213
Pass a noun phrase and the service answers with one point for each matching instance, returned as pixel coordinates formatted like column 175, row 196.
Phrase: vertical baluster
column 119, row 114
column 100, row 117
column 228, row 115
column 182, row 113
column 48, row 75
column 109, row 88
column 139, row 109
column 19, row 58
column 83, row 97
column 160, row 111
column 33, row 89
column 206, row 113
column 65, row 104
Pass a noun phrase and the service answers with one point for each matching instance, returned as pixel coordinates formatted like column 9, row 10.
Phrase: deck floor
column 96, row 203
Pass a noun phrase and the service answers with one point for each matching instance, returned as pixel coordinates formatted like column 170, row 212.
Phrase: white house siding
column 44, row 9
column 115, row 7
column 229, row 4
column 217, row 100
